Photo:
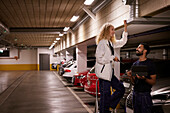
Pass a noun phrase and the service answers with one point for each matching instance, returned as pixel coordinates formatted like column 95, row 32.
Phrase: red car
column 90, row 85
column 79, row 79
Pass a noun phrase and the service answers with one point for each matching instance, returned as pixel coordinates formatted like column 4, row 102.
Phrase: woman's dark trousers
column 106, row 99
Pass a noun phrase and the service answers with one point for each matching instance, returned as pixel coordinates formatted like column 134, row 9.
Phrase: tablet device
column 141, row 70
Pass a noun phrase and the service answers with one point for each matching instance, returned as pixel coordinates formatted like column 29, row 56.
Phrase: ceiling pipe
column 4, row 28
column 152, row 46
column 136, row 19
column 95, row 9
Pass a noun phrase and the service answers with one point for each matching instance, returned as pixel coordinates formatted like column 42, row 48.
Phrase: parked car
column 71, row 70
column 54, row 65
column 62, row 66
column 90, row 85
column 160, row 91
column 79, row 79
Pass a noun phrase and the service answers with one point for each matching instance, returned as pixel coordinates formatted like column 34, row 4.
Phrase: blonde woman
column 105, row 58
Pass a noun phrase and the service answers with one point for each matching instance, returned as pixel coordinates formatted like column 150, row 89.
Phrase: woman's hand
column 116, row 59
column 125, row 26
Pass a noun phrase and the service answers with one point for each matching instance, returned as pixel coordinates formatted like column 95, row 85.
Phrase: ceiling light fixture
column 1, row 51
column 88, row 2
column 51, row 47
column 61, row 34
column 55, row 41
column 57, row 38
column 66, row 28
column 74, row 18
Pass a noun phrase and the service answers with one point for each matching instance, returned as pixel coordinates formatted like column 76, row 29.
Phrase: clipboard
column 141, row 70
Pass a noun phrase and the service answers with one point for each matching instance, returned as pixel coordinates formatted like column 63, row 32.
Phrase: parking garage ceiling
column 37, row 23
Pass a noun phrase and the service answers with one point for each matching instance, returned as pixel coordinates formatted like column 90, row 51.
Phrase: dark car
column 160, row 91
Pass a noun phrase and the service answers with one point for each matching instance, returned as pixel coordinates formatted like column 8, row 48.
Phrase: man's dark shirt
column 141, row 85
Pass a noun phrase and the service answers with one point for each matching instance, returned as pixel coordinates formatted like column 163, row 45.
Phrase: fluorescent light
column 66, row 28
column 1, row 51
column 50, row 47
column 88, row 2
column 57, row 38
column 74, row 18
column 61, row 34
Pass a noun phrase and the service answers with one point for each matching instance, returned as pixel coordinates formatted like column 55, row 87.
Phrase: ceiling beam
column 38, row 30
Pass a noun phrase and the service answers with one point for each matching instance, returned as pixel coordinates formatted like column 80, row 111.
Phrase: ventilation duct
column 3, row 29
column 136, row 19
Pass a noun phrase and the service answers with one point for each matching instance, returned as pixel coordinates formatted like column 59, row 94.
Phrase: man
column 142, row 101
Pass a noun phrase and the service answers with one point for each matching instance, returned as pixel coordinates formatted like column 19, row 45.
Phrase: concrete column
column 62, row 55
column 58, row 58
column 127, row 54
column 81, row 56
column 69, row 55
column 117, row 64
column 165, row 54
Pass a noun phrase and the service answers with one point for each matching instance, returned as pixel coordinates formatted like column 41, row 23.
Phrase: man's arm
column 151, row 80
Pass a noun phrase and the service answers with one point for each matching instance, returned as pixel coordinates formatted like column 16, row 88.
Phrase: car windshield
column 162, row 86
column 69, row 65
column 161, row 96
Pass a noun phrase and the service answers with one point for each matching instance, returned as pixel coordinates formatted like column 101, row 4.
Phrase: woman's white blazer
column 105, row 57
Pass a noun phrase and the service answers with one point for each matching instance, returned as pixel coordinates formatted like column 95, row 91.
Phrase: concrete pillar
column 127, row 54
column 81, row 56
column 62, row 55
column 58, row 58
column 69, row 55
column 117, row 64
column 165, row 54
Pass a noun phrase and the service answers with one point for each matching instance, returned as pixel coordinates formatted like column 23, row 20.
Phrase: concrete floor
column 36, row 92
column 42, row 92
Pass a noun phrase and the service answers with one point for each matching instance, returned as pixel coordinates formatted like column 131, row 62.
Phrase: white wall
column 27, row 56
column 46, row 51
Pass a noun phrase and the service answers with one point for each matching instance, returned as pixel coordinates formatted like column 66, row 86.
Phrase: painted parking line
column 85, row 106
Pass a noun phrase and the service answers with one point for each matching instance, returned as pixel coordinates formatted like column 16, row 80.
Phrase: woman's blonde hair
column 105, row 33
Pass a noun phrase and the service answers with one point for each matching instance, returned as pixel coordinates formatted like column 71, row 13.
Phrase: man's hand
column 129, row 73
column 140, row 77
